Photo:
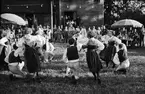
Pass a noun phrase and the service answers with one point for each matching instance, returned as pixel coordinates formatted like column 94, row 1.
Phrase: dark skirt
column 93, row 61
column 110, row 53
column 32, row 59
column 3, row 64
column 103, row 53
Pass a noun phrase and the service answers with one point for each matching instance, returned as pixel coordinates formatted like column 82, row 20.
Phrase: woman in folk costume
column 83, row 32
column 94, row 47
column 15, row 62
column 81, row 38
column 105, row 38
column 112, row 48
column 32, row 60
column 40, row 41
column 71, row 57
column 123, row 59
column 48, row 48
column 48, row 51
column 110, row 53
column 114, row 38
column 11, row 58
column 4, row 49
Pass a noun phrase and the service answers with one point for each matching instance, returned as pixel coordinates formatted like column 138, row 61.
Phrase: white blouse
column 99, row 44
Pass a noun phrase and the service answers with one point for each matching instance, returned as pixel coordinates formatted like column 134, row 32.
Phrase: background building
column 82, row 12
column 32, row 10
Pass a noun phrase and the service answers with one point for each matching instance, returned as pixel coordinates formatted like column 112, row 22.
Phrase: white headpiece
column 3, row 41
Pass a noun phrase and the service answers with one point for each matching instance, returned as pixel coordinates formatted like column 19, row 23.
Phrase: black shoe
column 115, row 72
column 67, row 77
column 38, row 80
column 34, row 80
column 28, row 80
column 99, row 81
column 11, row 77
column 106, row 66
column 124, row 72
column 74, row 81
column 113, row 66
column 95, row 78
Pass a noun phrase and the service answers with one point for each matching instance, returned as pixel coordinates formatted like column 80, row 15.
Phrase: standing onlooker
column 65, row 34
column 99, row 31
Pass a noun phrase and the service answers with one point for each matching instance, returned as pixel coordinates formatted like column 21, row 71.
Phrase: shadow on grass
column 60, row 85
column 136, row 51
column 55, row 83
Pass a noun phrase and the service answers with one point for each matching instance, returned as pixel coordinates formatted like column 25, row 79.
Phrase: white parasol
column 13, row 18
column 127, row 23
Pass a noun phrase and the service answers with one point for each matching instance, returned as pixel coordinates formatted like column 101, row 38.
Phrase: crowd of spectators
column 61, row 34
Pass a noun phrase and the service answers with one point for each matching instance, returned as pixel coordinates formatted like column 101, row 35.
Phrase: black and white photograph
column 72, row 47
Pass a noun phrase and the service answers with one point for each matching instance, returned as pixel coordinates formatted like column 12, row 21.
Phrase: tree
column 123, row 9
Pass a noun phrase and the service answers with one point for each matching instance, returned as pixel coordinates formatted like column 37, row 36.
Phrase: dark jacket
column 122, row 54
column 72, row 53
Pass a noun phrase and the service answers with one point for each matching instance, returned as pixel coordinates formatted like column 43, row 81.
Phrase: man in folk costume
column 94, row 47
column 32, row 60
column 71, row 57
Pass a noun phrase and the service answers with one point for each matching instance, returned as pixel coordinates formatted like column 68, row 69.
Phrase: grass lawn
column 53, row 81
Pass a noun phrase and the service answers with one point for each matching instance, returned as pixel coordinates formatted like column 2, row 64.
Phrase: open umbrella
column 13, row 18
column 127, row 23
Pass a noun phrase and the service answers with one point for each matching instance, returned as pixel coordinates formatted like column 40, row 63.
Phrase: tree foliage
column 115, row 10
